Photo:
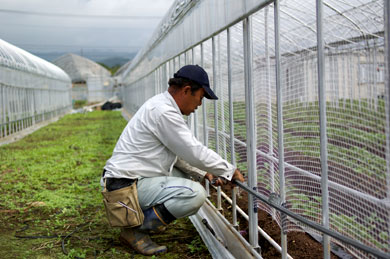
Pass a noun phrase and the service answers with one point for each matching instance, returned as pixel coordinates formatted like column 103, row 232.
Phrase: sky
column 80, row 25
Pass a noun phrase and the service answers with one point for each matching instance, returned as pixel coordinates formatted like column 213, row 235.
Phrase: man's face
column 192, row 101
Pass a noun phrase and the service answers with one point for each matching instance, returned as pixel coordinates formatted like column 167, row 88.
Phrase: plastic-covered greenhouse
column 32, row 90
column 303, row 107
column 90, row 80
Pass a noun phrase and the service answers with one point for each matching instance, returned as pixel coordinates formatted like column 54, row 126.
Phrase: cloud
column 31, row 31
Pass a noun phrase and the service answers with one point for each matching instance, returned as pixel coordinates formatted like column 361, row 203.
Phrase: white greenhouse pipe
column 262, row 232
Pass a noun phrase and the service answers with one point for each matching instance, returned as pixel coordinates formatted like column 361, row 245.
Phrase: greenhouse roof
column 345, row 22
column 80, row 68
column 19, row 59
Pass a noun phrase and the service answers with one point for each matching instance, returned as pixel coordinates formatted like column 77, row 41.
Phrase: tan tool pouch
column 122, row 206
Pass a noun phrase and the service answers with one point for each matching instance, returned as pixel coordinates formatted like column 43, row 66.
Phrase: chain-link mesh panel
column 222, row 91
column 355, row 97
column 199, row 117
column 209, row 105
column 238, row 95
column 265, row 103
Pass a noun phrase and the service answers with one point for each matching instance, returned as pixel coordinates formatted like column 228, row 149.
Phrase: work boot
column 153, row 221
column 140, row 241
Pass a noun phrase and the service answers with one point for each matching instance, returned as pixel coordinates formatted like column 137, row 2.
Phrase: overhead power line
column 83, row 16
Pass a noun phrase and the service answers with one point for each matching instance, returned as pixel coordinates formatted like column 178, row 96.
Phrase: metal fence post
column 7, row 99
column 251, row 131
column 230, row 92
column 19, row 109
column 4, row 128
column 33, row 107
column 196, row 111
column 43, row 107
column 222, row 102
column 30, row 111
column 205, row 139
column 269, row 104
column 387, row 94
column 204, row 109
column 216, row 130
column 323, row 136
column 279, row 95
column 215, row 82
column 10, row 111
column 231, row 124
column 190, row 116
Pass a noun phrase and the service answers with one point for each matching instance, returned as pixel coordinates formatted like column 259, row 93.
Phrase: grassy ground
column 51, row 206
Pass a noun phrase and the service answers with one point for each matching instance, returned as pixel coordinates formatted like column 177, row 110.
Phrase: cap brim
column 209, row 94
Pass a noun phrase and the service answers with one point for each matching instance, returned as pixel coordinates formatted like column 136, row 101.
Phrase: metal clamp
column 283, row 217
column 255, row 207
column 274, row 198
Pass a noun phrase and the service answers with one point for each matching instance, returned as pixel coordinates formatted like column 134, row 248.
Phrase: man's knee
column 201, row 196
column 189, row 203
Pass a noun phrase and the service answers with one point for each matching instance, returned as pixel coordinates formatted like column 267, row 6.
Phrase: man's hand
column 238, row 176
column 217, row 181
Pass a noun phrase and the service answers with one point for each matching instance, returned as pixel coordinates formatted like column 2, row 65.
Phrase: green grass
column 49, row 187
column 79, row 104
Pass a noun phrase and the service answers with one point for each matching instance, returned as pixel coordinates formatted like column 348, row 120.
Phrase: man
column 157, row 146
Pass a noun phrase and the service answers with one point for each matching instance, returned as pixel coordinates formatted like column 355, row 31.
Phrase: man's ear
column 187, row 89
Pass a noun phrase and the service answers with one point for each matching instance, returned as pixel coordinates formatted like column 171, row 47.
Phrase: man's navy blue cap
column 198, row 75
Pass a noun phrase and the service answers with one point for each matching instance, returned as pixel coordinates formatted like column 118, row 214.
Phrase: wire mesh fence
column 31, row 90
column 320, row 140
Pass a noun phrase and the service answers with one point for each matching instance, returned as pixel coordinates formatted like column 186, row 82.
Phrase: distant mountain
column 50, row 56
column 115, row 61
column 109, row 58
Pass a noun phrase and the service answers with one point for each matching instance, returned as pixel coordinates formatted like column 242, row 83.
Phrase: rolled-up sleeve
column 177, row 137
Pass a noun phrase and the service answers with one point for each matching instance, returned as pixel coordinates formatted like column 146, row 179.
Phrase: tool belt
column 122, row 206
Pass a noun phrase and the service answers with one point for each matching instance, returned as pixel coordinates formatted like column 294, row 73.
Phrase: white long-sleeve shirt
column 152, row 140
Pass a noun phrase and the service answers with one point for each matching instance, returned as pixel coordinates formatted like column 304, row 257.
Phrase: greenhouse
column 303, row 110
column 90, row 81
column 32, row 90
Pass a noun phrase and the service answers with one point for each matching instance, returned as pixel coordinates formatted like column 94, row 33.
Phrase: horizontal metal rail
column 385, row 202
column 314, row 225
column 261, row 231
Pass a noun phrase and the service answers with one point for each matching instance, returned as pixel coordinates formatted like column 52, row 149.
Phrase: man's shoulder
column 160, row 104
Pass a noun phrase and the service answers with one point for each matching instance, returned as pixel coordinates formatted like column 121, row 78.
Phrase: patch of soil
column 299, row 244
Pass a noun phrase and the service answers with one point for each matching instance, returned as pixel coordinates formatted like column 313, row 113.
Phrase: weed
column 196, row 245
column 49, row 183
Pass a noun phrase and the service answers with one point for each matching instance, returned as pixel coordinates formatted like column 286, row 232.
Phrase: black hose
column 69, row 235
column 64, row 237
column 208, row 226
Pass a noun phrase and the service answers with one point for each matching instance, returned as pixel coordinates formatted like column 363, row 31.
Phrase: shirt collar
column 170, row 98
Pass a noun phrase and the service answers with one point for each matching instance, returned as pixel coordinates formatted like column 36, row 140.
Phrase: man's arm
column 172, row 131
column 219, row 182
column 200, row 175
column 185, row 167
